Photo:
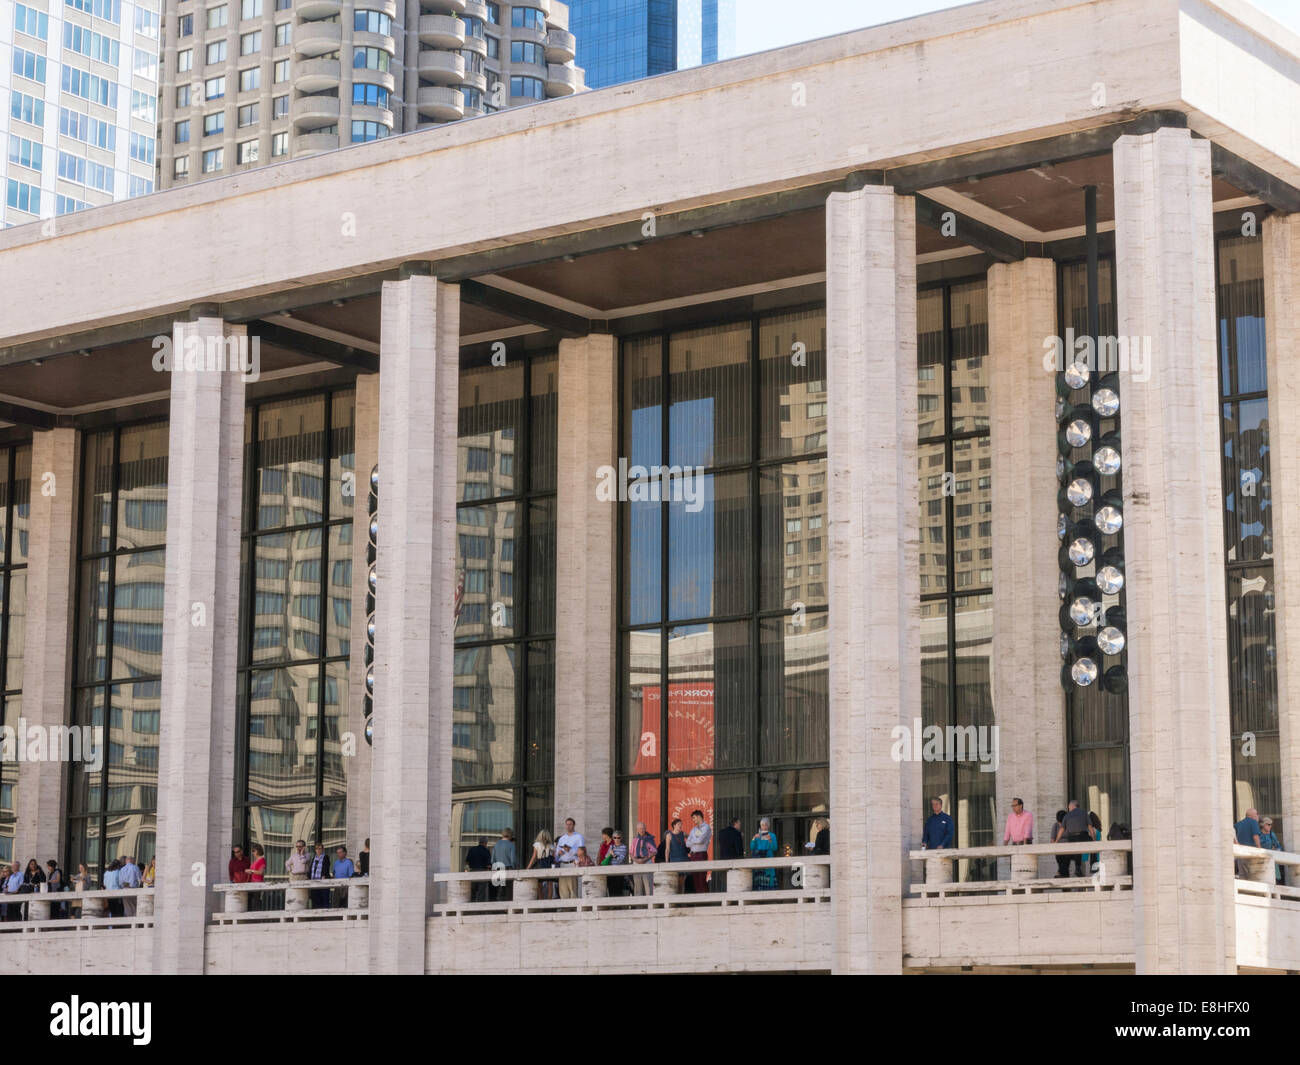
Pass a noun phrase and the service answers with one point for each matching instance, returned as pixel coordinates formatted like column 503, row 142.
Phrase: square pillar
column 47, row 648
column 196, row 757
column 585, row 585
column 410, row 794
column 1282, row 339
column 1179, row 756
column 875, row 650
column 1028, row 706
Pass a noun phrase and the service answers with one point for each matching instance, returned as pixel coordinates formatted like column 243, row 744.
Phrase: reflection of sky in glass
column 691, row 535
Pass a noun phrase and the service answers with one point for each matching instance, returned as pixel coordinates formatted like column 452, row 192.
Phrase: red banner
column 690, row 732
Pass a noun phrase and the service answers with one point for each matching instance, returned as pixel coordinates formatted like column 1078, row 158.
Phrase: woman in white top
column 543, row 857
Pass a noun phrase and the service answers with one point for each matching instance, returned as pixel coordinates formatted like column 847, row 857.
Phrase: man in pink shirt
column 1020, row 825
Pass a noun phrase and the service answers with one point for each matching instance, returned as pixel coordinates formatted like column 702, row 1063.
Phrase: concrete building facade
column 806, row 488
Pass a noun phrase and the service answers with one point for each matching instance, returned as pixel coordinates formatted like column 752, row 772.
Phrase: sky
column 764, row 24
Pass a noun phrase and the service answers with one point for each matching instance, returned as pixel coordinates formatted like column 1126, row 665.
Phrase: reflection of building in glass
column 15, row 511
column 503, row 688
column 120, row 626
column 725, row 600
column 954, row 470
column 297, row 637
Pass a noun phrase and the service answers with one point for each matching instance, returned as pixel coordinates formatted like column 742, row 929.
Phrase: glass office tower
column 622, row 40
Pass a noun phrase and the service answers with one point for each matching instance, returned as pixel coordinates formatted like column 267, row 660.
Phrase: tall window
column 296, row 633
column 503, row 700
column 723, row 693
column 1096, row 719
column 1248, row 530
column 15, row 509
column 956, row 547
column 118, row 672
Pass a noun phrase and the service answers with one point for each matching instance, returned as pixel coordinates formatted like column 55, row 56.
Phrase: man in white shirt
column 697, row 843
column 296, row 864
column 566, row 854
column 13, row 884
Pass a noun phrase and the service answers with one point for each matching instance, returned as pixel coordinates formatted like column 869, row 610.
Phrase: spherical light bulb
column 1084, row 672
column 374, row 530
column 372, row 578
column 370, row 731
column 1076, row 375
column 1110, row 640
column 1109, row 520
column 1078, row 433
column 1065, row 646
column 1079, row 492
column 1082, row 611
column 374, row 477
column 1062, row 526
column 1110, row 580
column 1105, row 402
column 370, row 628
column 370, row 679
column 1082, row 551
column 1107, row 461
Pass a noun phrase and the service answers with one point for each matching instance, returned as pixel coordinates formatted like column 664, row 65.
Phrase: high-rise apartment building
column 80, row 81
column 248, row 81
column 622, row 40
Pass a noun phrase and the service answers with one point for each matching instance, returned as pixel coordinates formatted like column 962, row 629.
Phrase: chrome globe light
column 1110, row 520
column 1082, row 611
column 1084, row 672
column 1107, row 461
column 1078, row 433
column 1077, row 374
column 1082, row 551
column 1110, row 580
column 1105, row 402
column 1079, row 492
column 1110, row 640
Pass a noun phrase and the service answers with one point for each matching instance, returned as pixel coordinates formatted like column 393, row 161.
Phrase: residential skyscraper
column 80, row 81
column 248, row 81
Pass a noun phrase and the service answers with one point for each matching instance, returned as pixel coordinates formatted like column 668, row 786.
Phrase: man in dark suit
column 731, row 844
column 320, row 870
column 478, row 860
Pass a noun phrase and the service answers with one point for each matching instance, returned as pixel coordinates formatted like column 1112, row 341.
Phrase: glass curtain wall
column 296, row 632
column 503, row 700
column 956, row 547
column 15, row 510
column 723, row 693
column 117, row 682
column 1248, row 530
column 1096, row 720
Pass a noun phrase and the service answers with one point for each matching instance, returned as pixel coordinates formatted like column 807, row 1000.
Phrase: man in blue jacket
column 938, row 827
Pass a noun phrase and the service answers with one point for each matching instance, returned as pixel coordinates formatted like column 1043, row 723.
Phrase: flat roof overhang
column 563, row 245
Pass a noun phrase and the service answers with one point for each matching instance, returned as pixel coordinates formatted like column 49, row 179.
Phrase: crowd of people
column 124, row 872
column 300, row 865
column 1073, row 825
column 569, row 850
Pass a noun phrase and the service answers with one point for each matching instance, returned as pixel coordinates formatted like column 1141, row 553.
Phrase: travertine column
column 875, row 656
column 196, row 758
column 1184, row 908
column 1028, row 707
column 411, row 779
column 357, row 767
column 584, row 584
column 1282, row 324
column 47, row 648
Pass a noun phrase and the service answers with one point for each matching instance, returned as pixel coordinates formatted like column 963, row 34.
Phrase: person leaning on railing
column 644, row 852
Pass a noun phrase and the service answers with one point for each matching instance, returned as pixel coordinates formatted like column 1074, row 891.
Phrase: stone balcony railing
column 40, row 911
column 1257, row 870
column 280, row 901
column 808, row 879
column 1109, row 874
